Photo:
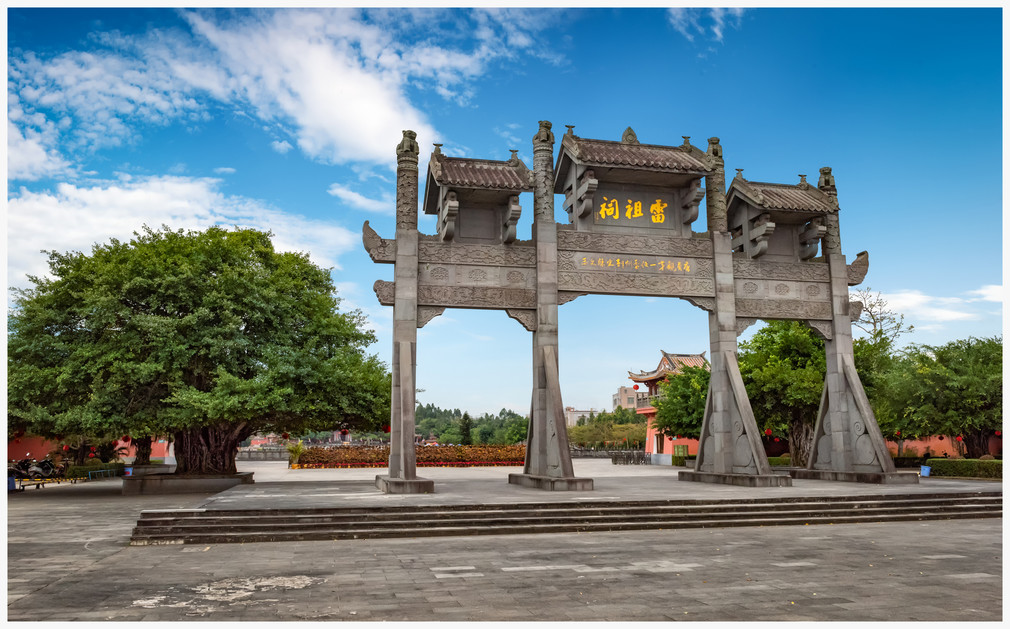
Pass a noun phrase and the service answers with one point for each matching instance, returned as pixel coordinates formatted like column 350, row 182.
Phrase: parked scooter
column 22, row 468
column 44, row 469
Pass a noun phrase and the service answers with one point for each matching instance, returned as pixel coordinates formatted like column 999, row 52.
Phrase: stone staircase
column 201, row 526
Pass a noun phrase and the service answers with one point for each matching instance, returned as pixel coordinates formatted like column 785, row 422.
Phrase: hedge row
column 81, row 471
column 969, row 468
column 426, row 456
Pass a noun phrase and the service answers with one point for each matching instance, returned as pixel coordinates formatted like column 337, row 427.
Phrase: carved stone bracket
column 512, row 214
column 705, row 303
column 810, row 237
column 565, row 296
column 857, row 270
column 447, row 216
column 691, row 201
column 742, row 323
column 384, row 291
column 855, row 309
column 528, row 318
column 821, row 328
column 476, row 297
column 379, row 249
column 426, row 314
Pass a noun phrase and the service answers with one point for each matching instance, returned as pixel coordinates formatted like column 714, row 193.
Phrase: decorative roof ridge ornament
column 826, row 183
column 514, row 159
column 629, row 137
column 739, row 174
column 803, row 185
column 687, row 141
column 571, row 129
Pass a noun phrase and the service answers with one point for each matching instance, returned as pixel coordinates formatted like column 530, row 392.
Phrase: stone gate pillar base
column 742, row 480
column 551, row 483
column 880, row 478
column 402, row 486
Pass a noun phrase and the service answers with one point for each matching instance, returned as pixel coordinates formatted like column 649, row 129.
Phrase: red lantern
column 635, row 387
column 91, row 455
column 897, row 433
column 66, row 448
column 997, row 433
column 776, row 438
column 386, row 429
column 940, row 438
column 959, row 437
column 768, row 431
column 285, row 435
column 126, row 439
column 92, row 448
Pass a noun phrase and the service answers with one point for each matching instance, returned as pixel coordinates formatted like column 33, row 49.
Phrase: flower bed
column 426, row 456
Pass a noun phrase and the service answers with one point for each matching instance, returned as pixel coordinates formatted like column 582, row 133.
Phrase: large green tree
column 680, row 408
column 783, row 369
column 954, row 389
column 206, row 336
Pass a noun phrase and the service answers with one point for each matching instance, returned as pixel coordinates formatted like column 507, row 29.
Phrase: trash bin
column 924, row 471
column 128, row 471
column 12, row 484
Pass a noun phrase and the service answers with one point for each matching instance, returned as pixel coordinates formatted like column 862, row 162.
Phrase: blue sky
column 288, row 120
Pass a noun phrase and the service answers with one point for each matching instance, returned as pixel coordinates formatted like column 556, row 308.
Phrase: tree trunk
column 209, row 449
column 143, row 445
column 801, row 442
column 976, row 443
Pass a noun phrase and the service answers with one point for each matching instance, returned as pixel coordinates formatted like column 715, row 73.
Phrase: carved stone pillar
column 402, row 477
column 729, row 448
column 548, row 460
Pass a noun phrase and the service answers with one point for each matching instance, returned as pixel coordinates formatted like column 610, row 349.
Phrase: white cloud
column 281, row 146
column 74, row 218
column 224, row 170
column 989, row 292
column 688, row 22
column 336, row 79
column 27, row 156
column 385, row 205
column 917, row 306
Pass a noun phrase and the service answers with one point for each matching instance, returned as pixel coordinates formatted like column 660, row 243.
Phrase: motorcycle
column 20, row 469
column 44, row 469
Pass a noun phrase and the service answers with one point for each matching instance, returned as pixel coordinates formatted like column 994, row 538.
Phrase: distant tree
column 465, row 427
column 877, row 320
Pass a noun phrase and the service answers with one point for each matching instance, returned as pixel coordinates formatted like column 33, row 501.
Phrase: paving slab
column 84, row 569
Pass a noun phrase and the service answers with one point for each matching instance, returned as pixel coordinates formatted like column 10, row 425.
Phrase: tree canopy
column 208, row 336
column 954, row 389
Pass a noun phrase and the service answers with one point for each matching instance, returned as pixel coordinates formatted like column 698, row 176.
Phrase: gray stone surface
column 83, row 569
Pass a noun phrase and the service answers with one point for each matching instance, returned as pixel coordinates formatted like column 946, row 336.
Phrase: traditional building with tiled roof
column 669, row 365
column 475, row 200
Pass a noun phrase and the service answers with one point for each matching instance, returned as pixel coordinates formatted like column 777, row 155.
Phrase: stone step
column 219, row 518
column 219, row 526
column 535, row 528
column 733, row 503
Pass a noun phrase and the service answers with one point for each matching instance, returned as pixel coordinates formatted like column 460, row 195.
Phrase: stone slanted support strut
column 548, row 459
column 729, row 449
column 848, row 444
column 402, row 477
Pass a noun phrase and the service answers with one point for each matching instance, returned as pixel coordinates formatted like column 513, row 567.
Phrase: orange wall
column 37, row 448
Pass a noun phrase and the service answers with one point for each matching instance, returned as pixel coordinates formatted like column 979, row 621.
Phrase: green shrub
column 779, row 461
column 81, row 471
column 677, row 460
column 966, row 468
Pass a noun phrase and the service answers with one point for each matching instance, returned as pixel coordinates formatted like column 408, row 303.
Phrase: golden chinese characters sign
column 633, row 207
column 589, row 261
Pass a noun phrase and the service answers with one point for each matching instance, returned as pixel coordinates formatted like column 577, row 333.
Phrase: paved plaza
column 69, row 559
